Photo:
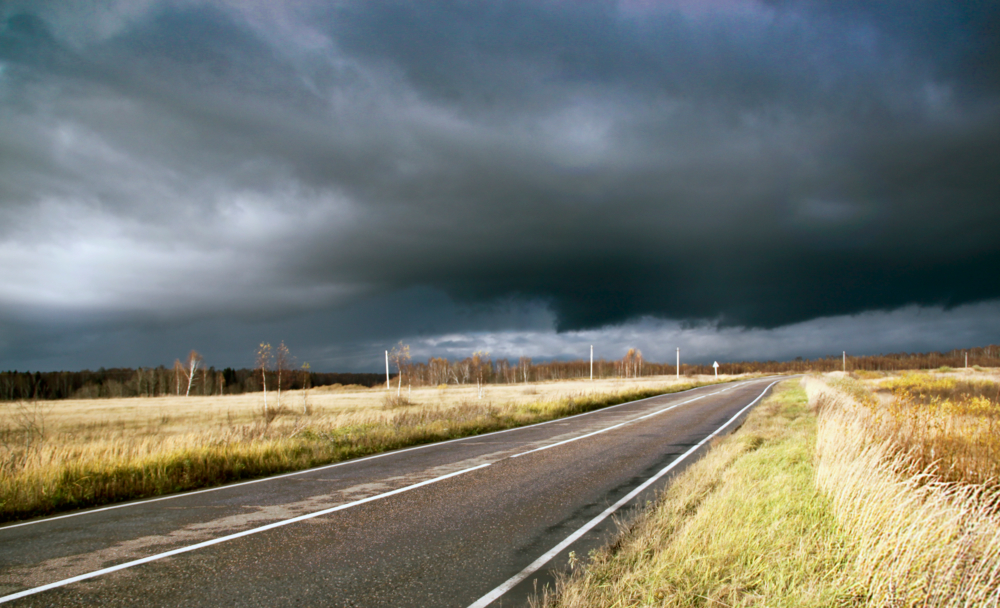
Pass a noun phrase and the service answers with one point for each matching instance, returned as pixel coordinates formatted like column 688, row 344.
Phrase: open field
column 56, row 455
column 172, row 416
column 830, row 500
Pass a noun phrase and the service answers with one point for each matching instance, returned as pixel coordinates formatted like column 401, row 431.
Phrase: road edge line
column 533, row 567
column 611, row 428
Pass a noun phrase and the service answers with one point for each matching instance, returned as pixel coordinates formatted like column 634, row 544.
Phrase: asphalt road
column 479, row 521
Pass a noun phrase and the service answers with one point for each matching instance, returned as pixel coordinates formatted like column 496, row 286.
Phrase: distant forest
column 503, row 371
column 158, row 381
column 150, row 382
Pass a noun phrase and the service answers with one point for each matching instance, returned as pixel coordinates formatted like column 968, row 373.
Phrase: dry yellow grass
column 171, row 416
column 915, row 540
column 64, row 454
column 946, row 425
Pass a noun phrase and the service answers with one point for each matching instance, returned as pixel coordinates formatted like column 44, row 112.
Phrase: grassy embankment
column 62, row 455
column 862, row 494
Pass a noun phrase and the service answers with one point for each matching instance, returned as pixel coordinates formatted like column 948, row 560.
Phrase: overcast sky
column 740, row 178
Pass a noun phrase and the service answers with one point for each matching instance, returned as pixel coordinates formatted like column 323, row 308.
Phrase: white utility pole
column 387, row 387
column 592, row 362
column 845, row 361
column 678, row 363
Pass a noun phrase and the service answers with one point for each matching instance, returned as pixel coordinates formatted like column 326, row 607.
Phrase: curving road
column 480, row 521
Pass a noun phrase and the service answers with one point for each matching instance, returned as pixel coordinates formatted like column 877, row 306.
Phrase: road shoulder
column 743, row 524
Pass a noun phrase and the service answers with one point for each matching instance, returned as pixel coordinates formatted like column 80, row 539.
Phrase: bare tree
column 193, row 361
column 282, row 361
column 631, row 363
column 480, row 361
column 438, row 370
column 462, row 371
column 178, row 372
column 400, row 357
column 504, row 370
column 524, row 363
column 264, row 358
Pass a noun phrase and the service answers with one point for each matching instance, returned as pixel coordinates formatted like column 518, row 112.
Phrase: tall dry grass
column 917, row 538
column 946, row 424
column 63, row 455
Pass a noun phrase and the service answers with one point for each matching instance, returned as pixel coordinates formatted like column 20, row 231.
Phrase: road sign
column 716, row 366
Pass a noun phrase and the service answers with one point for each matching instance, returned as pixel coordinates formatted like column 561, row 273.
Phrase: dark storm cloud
column 762, row 169
column 749, row 164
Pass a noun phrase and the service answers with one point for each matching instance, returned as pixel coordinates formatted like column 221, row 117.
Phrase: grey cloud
column 181, row 162
column 909, row 329
column 348, row 338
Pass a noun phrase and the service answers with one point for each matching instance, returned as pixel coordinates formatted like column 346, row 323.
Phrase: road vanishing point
column 473, row 522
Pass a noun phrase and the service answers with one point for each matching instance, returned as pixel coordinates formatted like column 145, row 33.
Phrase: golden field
column 57, row 455
column 170, row 416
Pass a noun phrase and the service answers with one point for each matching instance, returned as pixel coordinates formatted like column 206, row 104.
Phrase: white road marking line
column 611, row 428
column 337, row 464
column 223, row 539
column 541, row 561
column 643, row 417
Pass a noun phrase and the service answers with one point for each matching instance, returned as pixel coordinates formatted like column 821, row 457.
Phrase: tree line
column 194, row 378
column 157, row 382
column 481, row 369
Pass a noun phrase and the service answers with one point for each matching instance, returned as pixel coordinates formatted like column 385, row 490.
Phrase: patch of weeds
column 391, row 401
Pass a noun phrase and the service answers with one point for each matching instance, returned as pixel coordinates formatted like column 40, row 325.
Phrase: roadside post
column 678, row 369
column 592, row 362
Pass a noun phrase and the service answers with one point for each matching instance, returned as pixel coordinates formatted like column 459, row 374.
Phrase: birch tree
column 462, row 371
column 437, row 368
column 193, row 361
column 480, row 359
column 400, row 357
column 631, row 364
column 524, row 364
